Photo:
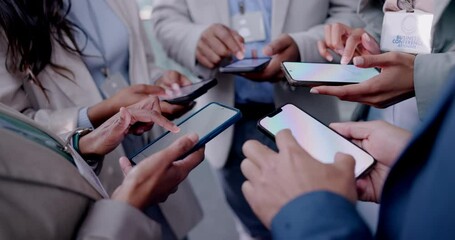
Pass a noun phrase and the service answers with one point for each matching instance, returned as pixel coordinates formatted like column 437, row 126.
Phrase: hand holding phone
column 315, row 74
column 187, row 94
column 318, row 140
column 247, row 65
column 207, row 123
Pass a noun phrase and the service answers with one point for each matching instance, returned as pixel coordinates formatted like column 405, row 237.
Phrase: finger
column 204, row 61
column 228, row 39
column 328, row 35
column 148, row 89
column 345, row 163
column 186, row 165
column 322, row 48
column 248, row 192
column 219, row 47
column 166, row 157
column 353, row 130
column 347, row 92
column 370, row 45
column 379, row 60
column 184, row 81
column 250, row 170
column 125, row 165
column 338, row 31
column 239, row 42
column 256, row 152
column 143, row 116
column 285, row 141
column 351, row 45
column 209, row 53
column 277, row 46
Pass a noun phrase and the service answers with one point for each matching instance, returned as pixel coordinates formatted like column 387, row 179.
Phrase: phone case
column 204, row 140
column 227, row 69
column 184, row 100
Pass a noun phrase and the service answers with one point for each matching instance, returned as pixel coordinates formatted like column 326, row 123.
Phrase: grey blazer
column 179, row 24
column 43, row 196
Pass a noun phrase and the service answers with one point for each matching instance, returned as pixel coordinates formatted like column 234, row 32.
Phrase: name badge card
column 113, row 84
column 409, row 32
column 250, row 26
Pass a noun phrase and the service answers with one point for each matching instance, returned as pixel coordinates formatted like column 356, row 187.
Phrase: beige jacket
column 66, row 97
column 43, row 196
column 179, row 24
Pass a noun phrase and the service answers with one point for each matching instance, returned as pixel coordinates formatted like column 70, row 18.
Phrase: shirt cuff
column 82, row 119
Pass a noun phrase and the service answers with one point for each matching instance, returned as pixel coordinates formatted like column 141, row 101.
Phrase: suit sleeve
column 179, row 35
column 319, row 215
column 340, row 11
column 430, row 74
column 109, row 219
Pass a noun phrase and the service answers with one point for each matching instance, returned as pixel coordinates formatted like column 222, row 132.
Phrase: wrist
column 85, row 145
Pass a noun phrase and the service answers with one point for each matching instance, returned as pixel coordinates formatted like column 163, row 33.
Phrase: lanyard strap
column 242, row 10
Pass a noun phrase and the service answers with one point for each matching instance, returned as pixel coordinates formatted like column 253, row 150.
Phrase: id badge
column 113, row 84
column 409, row 32
column 250, row 26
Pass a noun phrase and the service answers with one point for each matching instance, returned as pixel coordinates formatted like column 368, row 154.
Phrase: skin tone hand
column 102, row 111
column 394, row 84
column 347, row 42
column 217, row 43
column 158, row 176
column 171, row 83
column 274, row 179
column 384, row 142
column 280, row 50
column 135, row 119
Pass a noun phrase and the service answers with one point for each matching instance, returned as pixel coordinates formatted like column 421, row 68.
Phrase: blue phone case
column 203, row 140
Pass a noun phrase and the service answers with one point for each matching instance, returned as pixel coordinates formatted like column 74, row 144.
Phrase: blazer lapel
column 279, row 13
column 223, row 12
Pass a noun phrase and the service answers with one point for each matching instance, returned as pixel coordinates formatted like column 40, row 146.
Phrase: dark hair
column 31, row 27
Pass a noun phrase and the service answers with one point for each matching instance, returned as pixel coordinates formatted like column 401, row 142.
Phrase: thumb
column 277, row 46
column 125, row 165
column 370, row 44
column 369, row 61
column 344, row 162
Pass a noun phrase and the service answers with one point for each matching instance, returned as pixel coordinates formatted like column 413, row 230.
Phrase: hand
column 102, row 111
column 384, row 142
column 135, row 119
column 347, row 42
column 394, row 84
column 218, row 42
column 282, row 49
column 171, row 82
column 156, row 177
column 274, row 179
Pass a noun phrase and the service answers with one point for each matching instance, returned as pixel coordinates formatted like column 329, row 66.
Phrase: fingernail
column 330, row 58
column 193, row 137
column 359, row 61
column 175, row 86
column 239, row 55
column 176, row 129
column 314, row 91
column 366, row 37
column 169, row 92
column 344, row 60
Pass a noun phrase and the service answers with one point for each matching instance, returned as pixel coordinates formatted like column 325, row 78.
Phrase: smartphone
column 320, row 141
column 189, row 93
column 207, row 123
column 315, row 74
column 246, row 65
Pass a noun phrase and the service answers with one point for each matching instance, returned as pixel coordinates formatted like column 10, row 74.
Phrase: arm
column 319, row 215
column 175, row 30
column 430, row 74
column 340, row 11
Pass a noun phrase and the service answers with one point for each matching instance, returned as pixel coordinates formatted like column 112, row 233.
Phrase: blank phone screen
column 318, row 140
column 204, row 123
column 248, row 63
column 323, row 72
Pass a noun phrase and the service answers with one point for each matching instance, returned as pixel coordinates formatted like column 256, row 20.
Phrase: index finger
column 351, row 45
column 353, row 130
column 148, row 89
column 256, row 152
column 232, row 40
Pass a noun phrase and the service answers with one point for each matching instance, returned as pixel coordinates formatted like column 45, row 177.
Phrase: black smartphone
column 320, row 141
column 189, row 93
column 207, row 123
column 315, row 74
column 246, row 65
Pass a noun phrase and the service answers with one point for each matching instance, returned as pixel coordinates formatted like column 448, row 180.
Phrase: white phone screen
column 330, row 73
column 318, row 140
column 207, row 122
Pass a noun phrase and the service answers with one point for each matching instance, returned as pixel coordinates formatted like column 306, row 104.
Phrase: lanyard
column 242, row 10
column 100, row 43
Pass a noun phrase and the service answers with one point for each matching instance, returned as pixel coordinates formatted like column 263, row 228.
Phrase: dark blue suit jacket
column 418, row 199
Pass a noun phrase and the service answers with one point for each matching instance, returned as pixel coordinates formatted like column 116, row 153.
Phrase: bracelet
column 77, row 134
